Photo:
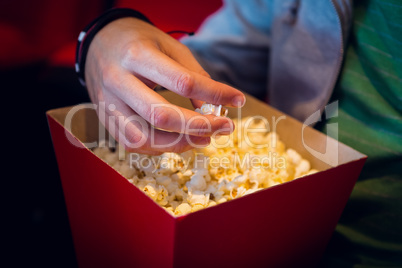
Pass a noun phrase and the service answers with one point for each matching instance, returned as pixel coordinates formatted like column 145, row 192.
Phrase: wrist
column 88, row 33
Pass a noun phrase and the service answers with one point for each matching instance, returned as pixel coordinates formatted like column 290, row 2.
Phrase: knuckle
column 184, row 49
column 217, row 97
column 134, row 139
column 185, row 84
column 110, row 78
column 200, row 127
column 132, row 54
column 158, row 117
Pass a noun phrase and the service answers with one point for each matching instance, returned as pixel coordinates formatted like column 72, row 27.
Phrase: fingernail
column 238, row 101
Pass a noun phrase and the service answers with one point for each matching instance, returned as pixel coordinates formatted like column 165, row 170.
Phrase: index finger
column 172, row 75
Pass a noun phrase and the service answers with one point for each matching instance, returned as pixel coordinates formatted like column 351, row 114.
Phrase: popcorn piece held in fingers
column 217, row 110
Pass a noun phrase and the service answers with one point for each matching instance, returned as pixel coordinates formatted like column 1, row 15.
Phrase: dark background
column 37, row 230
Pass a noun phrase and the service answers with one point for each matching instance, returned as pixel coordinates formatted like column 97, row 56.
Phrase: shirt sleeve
column 233, row 44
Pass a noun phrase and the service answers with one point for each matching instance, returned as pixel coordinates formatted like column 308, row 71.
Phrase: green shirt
column 369, row 91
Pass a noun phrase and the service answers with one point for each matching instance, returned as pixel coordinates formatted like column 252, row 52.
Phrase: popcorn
column 111, row 159
column 182, row 209
column 231, row 167
column 174, row 204
column 150, row 190
column 293, row 156
column 197, row 198
column 169, row 163
column 170, row 210
column 197, row 183
column 171, row 187
column 127, row 171
column 250, row 191
column 217, row 195
column 161, row 198
column 221, row 200
column 211, row 203
column 302, row 168
column 197, row 207
column 134, row 180
column 240, row 180
column 180, row 195
column 164, row 180
column 212, row 109
column 237, row 192
column 199, row 180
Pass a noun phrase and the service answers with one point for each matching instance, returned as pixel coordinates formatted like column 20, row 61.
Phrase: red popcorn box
column 115, row 224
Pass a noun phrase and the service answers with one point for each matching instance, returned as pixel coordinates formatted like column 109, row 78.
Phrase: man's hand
column 125, row 61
